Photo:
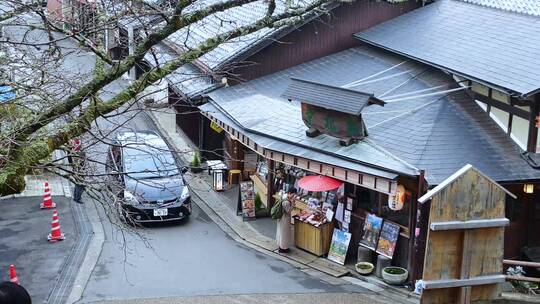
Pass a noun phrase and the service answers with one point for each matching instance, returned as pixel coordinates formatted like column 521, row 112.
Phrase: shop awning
column 312, row 160
column 490, row 45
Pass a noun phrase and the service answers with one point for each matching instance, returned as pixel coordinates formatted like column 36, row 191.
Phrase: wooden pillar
column 533, row 130
column 270, row 183
column 419, row 240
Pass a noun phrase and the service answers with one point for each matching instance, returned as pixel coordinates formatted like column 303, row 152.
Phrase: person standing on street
column 283, row 235
column 79, row 167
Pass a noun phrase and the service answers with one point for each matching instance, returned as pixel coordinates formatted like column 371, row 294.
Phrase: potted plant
column 260, row 211
column 196, row 163
column 364, row 268
column 394, row 275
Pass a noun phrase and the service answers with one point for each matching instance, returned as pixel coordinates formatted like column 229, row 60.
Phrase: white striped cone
column 56, row 234
column 47, row 199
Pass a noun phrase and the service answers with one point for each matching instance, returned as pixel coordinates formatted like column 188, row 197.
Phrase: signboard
column 247, row 199
column 214, row 126
column 339, row 246
column 388, row 239
column 372, row 228
column 334, row 123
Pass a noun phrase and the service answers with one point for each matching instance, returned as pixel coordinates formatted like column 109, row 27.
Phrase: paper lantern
column 528, row 188
column 396, row 201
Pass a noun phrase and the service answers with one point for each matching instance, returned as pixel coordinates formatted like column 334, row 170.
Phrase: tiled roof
column 222, row 22
column 277, row 125
column 495, row 47
column 188, row 80
column 527, row 7
column 328, row 97
column 426, row 123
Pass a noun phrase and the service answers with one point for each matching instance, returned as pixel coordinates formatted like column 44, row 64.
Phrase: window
column 520, row 131
column 501, row 118
column 377, row 203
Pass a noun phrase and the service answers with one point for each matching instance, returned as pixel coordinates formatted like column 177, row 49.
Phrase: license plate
column 160, row 212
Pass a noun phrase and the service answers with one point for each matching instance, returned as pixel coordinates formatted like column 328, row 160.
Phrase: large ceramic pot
column 394, row 275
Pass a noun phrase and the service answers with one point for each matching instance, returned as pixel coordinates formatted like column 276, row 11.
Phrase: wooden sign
column 388, row 239
column 465, row 241
column 247, row 199
column 334, row 123
column 372, row 228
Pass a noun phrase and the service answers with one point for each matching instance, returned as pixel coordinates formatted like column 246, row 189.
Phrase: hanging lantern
column 396, row 201
column 528, row 188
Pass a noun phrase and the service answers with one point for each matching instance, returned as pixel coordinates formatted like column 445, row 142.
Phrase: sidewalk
column 46, row 270
column 259, row 234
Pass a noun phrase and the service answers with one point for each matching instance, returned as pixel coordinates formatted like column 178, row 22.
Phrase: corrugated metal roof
column 495, row 47
column 440, row 132
column 328, row 97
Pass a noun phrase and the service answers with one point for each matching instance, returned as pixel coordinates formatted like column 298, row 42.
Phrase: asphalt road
column 195, row 258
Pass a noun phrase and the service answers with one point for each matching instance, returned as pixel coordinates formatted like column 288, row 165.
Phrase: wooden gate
column 465, row 241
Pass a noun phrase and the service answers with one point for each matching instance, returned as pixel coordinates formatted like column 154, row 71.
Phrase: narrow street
column 194, row 258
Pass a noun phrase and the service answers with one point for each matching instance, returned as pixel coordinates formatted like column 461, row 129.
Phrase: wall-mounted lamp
column 528, row 188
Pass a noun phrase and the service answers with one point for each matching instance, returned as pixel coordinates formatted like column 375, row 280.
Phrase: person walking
column 283, row 234
column 79, row 168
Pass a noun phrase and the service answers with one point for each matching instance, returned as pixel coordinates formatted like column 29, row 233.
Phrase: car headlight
column 185, row 194
column 129, row 198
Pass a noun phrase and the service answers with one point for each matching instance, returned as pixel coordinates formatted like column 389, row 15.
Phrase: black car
column 146, row 180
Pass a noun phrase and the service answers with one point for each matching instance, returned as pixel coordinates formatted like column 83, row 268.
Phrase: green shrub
column 258, row 201
column 196, row 161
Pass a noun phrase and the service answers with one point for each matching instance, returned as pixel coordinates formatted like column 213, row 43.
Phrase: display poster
column 349, row 203
column 247, row 198
column 329, row 215
column 388, row 239
column 339, row 246
column 339, row 212
column 347, row 216
column 372, row 228
column 345, row 227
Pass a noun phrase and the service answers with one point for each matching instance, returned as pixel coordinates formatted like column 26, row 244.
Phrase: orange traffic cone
column 13, row 274
column 56, row 234
column 47, row 199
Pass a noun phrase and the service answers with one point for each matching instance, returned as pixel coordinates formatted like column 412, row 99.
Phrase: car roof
column 149, row 138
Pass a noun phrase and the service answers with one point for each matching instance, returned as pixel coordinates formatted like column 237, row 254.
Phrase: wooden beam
column 521, row 263
column 501, row 105
column 451, row 283
column 522, row 278
column 472, row 224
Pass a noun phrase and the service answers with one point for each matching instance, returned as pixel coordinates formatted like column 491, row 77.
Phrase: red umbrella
column 319, row 183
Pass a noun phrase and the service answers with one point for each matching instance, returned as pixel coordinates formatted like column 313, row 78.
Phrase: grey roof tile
column 437, row 133
column 328, row 97
column 187, row 80
column 499, row 47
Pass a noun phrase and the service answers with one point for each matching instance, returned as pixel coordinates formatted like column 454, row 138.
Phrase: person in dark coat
column 13, row 293
column 79, row 168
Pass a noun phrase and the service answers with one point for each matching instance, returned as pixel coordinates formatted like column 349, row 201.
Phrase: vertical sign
column 247, row 198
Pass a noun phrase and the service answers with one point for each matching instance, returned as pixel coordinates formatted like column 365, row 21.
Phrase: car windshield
column 142, row 161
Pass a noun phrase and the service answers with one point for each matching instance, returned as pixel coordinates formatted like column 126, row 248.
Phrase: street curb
column 92, row 254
